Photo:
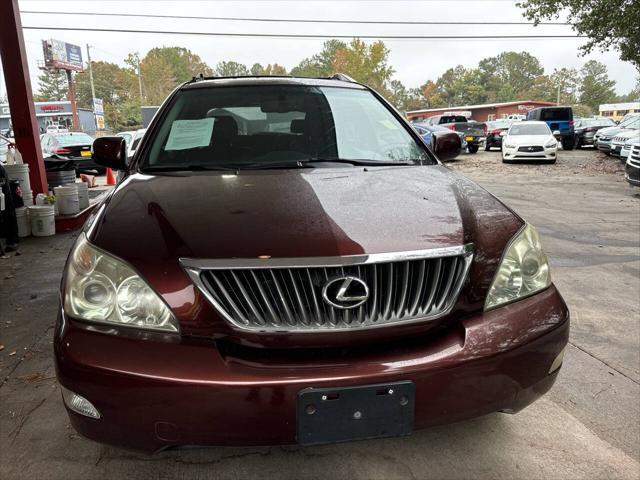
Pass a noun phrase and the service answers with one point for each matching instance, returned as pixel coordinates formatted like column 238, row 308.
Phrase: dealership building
column 481, row 113
column 51, row 113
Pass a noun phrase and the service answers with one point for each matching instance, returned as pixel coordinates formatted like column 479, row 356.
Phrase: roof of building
column 619, row 106
column 484, row 105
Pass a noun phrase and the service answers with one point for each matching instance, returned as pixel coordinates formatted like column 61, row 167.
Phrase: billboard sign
column 100, row 122
column 58, row 54
column 98, row 106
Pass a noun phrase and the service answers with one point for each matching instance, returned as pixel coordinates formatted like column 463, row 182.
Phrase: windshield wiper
column 309, row 163
column 186, row 168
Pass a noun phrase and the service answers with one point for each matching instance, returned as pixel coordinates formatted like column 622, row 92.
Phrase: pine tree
column 52, row 85
column 596, row 87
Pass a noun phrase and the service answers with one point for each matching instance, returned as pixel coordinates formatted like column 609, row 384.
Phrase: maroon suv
column 287, row 262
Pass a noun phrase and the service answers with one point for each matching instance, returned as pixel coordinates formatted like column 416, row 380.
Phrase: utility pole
column 93, row 88
column 139, row 79
column 72, row 99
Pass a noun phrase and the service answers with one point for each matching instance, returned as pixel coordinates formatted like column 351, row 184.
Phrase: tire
column 578, row 144
column 487, row 147
column 473, row 148
column 567, row 143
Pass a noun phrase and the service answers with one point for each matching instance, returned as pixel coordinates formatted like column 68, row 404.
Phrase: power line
column 303, row 35
column 289, row 20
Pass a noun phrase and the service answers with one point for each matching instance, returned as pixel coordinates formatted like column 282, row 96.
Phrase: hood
column 608, row 131
column 287, row 213
column 631, row 133
column 530, row 139
column 151, row 221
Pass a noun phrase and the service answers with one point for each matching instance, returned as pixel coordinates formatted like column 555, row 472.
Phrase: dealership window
column 491, row 117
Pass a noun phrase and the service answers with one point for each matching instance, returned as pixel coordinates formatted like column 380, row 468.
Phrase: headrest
column 297, row 125
column 224, row 126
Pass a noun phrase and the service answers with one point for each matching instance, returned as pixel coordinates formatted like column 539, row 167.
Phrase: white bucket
column 20, row 172
column 24, row 226
column 67, row 199
column 83, row 195
column 27, row 197
column 42, row 219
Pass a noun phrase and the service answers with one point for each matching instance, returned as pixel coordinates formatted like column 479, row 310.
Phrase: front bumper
column 514, row 154
column 632, row 175
column 615, row 149
column 156, row 394
column 603, row 145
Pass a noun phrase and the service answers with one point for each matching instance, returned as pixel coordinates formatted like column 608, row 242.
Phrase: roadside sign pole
column 72, row 99
column 20, row 95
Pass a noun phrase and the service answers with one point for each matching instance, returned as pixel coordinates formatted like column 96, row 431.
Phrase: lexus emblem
column 345, row 292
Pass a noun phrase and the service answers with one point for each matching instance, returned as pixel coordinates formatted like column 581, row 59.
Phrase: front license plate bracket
column 328, row 415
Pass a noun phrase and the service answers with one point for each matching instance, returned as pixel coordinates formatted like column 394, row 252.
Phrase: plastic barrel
column 19, row 172
column 67, row 199
column 42, row 219
column 24, row 226
column 61, row 177
column 83, row 195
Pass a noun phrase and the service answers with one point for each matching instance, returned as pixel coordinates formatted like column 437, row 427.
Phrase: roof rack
column 342, row 77
column 336, row 76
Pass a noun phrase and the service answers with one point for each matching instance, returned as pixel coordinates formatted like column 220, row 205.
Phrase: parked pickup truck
column 472, row 132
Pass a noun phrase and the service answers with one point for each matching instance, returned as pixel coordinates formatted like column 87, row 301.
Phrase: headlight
column 524, row 270
column 103, row 289
column 551, row 144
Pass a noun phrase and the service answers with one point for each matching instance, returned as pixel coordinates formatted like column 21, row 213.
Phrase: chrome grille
column 533, row 148
column 287, row 294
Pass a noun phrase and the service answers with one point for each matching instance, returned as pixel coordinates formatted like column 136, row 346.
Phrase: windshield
column 561, row 114
column 74, row 139
column 596, row 122
column 232, row 127
column 499, row 124
column 630, row 122
column 530, row 129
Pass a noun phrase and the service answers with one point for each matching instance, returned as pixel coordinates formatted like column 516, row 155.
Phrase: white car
column 620, row 141
column 56, row 128
column 529, row 140
column 133, row 139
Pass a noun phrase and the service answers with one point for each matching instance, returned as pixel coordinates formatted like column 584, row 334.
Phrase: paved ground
column 587, row 427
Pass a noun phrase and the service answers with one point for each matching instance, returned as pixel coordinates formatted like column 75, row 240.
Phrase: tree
column 231, row 69
column 365, row 63
column 607, row 23
column 545, row 87
column 508, row 75
column 52, row 86
column 596, row 87
column 322, row 63
column 118, row 88
column 184, row 64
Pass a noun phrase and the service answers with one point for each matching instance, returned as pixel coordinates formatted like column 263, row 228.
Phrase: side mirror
column 447, row 145
column 556, row 133
column 503, row 133
column 110, row 152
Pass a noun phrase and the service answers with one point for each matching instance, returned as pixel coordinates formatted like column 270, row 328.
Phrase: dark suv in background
column 286, row 262
column 560, row 121
column 471, row 132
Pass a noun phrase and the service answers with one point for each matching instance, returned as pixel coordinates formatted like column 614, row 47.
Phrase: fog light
column 557, row 362
column 79, row 404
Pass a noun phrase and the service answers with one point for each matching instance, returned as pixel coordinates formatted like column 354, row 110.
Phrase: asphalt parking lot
column 588, row 426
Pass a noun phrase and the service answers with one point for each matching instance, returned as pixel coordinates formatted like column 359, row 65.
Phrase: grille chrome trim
column 279, row 294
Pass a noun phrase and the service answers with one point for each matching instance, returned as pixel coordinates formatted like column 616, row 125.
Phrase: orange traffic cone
column 111, row 180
